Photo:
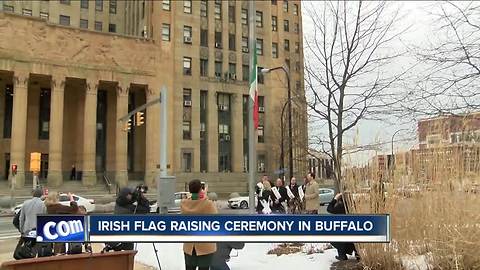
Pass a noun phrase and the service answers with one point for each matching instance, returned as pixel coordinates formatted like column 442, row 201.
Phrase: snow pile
column 253, row 256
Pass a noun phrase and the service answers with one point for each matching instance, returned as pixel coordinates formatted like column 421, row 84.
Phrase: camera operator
column 142, row 203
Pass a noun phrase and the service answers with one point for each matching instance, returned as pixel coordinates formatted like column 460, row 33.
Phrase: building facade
column 64, row 87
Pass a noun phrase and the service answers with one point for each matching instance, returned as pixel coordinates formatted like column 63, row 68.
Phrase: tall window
column 99, row 5
column 296, row 28
column 64, row 20
column 113, row 6
column 231, row 42
column 245, row 44
column 112, row 28
column 7, row 118
column 98, row 26
column 231, row 14
column 218, row 39
column 295, row 9
column 203, row 131
column 204, row 8
column 218, row 69
column 187, row 66
column 259, row 19
column 286, row 45
column 261, row 119
column 232, row 71
column 274, row 23
column 166, row 4
column 187, row 161
column 245, row 73
column 259, row 46
column 244, row 16
column 218, row 11
column 187, row 6
column 287, row 63
column 44, row 114
column 204, row 67
column 261, row 163
column 187, row 114
column 224, row 135
column 297, row 47
column 285, row 5
column 166, row 32
column 286, row 27
column 187, row 34
column 84, row 4
column 204, row 37
column 260, row 77
column 275, row 50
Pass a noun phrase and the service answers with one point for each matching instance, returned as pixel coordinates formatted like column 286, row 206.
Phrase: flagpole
column 252, row 153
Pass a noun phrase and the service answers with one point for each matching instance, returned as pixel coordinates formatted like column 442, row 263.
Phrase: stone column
column 237, row 133
column 152, row 138
column 121, row 143
column 19, row 127
column 89, row 177
column 55, row 176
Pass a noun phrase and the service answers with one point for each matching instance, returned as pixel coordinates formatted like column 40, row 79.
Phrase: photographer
column 142, row 203
column 124, row 202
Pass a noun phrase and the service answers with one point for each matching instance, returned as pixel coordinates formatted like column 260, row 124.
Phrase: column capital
column 58, row 83
column 21, row 79
column 91, row 86
column 123, row 88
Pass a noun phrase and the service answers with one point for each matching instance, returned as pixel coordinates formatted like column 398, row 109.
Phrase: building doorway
column 7, row 165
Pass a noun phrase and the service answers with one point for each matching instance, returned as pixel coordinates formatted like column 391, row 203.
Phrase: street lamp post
column 393, row 136
column 289, row 102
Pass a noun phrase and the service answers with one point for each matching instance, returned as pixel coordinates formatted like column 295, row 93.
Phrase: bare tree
column 451, row 61
column 349, row 69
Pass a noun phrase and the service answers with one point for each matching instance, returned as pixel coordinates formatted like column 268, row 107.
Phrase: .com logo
column 62, row 230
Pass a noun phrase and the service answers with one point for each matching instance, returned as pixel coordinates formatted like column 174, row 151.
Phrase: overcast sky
column 416, row 16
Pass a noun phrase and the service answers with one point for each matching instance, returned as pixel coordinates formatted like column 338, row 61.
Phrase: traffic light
column 139, row 119
column 128, row 125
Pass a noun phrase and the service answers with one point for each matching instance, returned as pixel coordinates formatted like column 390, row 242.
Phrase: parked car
column 89, row 204
column 326, row 195
column 179, row 196
column 240, row 202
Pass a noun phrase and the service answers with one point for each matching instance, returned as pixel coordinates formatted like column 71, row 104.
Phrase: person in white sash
column 279, row 196
column 264, row 194
column 294, row 202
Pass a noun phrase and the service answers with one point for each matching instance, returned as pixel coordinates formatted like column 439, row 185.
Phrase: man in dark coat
column 123, row 206
column 337, row 207
column 277, row 203
column 222, row 255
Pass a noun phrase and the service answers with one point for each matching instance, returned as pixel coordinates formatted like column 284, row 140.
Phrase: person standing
column 29, row 211
column 294, row 204
column 312, row 199
column 279, row 199
column 198, row 254
column 337, row 207
column 54, row 206
column 73, row 172
column 265, row 193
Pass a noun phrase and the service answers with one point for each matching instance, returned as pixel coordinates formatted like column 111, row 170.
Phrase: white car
column 89, row 204
column 240, row 202
column 179, row 196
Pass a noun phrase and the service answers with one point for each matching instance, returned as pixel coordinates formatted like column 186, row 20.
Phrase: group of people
column 293, row 199
column 26, row 222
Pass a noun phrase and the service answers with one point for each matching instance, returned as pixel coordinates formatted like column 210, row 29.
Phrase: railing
column 108, row 183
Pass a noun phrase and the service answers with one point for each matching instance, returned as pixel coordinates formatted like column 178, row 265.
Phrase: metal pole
column 290, row 135
column 282, row 164
column 163, row 132
column 12, row 191
column 252, row 153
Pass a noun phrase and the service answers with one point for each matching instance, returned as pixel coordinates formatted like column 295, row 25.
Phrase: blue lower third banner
column 241, row 228
column 61, row 228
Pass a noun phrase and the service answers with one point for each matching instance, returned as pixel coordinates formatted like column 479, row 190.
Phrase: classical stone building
column 65, row 82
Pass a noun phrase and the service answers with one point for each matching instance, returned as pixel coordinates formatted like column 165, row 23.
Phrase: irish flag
column 254, row 90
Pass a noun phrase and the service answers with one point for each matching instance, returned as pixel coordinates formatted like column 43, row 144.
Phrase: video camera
column 138, row 192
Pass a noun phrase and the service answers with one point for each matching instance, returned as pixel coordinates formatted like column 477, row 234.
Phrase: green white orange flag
column 254, row 90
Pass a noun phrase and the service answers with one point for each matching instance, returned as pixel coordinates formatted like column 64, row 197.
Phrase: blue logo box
column 61, row 228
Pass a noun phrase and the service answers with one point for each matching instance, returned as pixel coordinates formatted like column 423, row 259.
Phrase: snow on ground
column 253, row 256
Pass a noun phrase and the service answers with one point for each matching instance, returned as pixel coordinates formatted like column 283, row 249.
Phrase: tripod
column 153, row 244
